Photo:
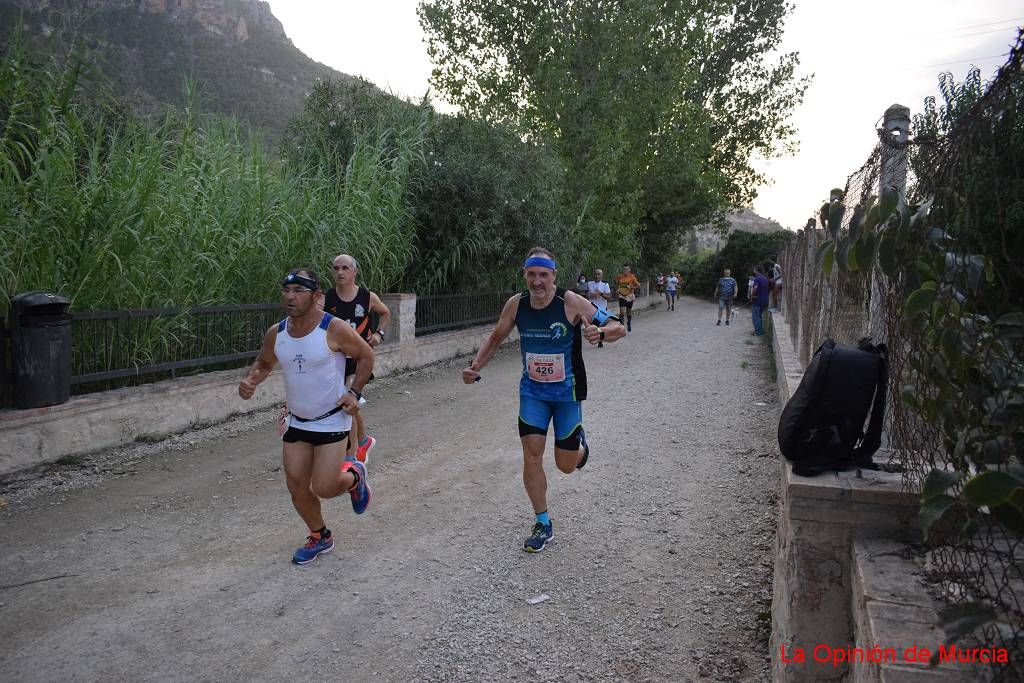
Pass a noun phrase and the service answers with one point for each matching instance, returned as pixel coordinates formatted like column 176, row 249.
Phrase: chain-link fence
column 956, row 406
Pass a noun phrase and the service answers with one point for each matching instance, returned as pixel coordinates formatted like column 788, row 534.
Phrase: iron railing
column 443, row 312
column 116, row 348
column 5, row 377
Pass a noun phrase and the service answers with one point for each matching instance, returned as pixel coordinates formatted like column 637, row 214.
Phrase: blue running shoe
column 542, row 533
column 586, row 450
column 312, row 549
column 361, row 492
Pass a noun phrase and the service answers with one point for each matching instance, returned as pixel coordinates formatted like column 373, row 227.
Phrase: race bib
column 545, row 367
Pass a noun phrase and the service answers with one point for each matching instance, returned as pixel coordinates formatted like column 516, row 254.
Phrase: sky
column 864, row 55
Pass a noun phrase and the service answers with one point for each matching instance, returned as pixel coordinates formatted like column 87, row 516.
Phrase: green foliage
column 117, row 213
column 744, row 250
column 484, row 199
column 474, row 192
column 654, row 111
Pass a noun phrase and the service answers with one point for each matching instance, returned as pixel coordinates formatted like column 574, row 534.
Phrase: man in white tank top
column 311, row 347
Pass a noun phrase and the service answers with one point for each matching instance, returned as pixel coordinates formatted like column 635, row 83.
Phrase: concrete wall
column 109, row 419
column 819, row 519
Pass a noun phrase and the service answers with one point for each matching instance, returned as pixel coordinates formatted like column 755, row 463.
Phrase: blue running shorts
column 535, row 414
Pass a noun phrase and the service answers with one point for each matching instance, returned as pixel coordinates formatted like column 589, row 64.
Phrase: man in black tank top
column 360, row 309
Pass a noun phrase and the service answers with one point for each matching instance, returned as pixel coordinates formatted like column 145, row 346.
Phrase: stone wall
column 833, row 587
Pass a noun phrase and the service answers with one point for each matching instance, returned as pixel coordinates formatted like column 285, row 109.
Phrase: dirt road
column 172, row 561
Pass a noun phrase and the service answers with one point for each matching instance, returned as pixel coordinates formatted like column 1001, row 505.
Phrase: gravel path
column 171, row 561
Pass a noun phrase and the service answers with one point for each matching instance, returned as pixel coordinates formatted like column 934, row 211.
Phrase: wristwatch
column 602, row 334
column 356, row 394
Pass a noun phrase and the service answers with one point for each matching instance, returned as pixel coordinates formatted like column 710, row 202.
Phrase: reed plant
column 118, row 212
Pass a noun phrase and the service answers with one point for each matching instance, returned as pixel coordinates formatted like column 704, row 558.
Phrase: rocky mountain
column 236, row 51
column 746, row 220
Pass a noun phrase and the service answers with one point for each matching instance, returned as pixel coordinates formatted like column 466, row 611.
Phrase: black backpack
column 822, row 425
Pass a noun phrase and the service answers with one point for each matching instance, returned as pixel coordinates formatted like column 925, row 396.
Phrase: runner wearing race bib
column 552, row 325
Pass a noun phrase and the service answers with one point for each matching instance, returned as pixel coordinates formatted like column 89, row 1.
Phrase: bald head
column 345, row 268
column 345, row 259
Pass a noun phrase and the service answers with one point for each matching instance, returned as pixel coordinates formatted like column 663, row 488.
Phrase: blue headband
column 542, row 261
column 302, row 281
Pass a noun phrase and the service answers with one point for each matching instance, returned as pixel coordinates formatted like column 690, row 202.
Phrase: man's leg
column 533, row 413
column 534, row 480
column 334, row 474
column 571, row 451
column 298, row 472
column 721, row 307
column 755, row 314
column 328, row 481
column 358, row 440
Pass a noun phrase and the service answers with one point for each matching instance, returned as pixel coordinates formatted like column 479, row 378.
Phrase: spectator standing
column 725, row 292
column 759, row 301
column 582, row 286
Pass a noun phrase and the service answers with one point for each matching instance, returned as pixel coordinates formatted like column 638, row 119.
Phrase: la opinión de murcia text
column 945, row 654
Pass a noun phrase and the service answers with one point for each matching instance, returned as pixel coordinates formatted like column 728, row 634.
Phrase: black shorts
column 294, row 435
column 350, row 368
column 628, row 305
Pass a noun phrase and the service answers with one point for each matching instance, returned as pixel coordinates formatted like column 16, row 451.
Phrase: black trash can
column 40, row 349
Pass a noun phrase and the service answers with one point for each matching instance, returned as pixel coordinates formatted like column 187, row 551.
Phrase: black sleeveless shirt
column 356, row 312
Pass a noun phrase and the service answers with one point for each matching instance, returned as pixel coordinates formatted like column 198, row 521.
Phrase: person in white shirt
column 671, row 285
column 311, row 346
column 598, row 290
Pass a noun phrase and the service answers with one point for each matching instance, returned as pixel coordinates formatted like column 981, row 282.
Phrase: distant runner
column 627, row 287
column 552, row 324
column 671, row 285
column 311, row 347
column 598, row 290
column 354, row 304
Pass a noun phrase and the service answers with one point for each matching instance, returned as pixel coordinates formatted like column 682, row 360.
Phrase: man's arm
column 379, row 307
column 502, row 329
column 341, row 337
column 261, row 367
column 579, row 310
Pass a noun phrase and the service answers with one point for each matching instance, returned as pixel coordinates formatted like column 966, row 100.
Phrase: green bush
column 741, row 253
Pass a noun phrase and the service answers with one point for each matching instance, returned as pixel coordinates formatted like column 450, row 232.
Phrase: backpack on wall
column 822, row 425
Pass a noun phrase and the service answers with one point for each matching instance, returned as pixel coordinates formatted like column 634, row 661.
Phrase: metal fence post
column 894, row 134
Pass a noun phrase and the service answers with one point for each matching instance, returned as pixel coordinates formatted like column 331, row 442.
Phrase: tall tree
column 656, row 107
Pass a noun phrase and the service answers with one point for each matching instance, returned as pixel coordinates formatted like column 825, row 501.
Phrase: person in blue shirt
column 552, row 324
column 759, row 299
